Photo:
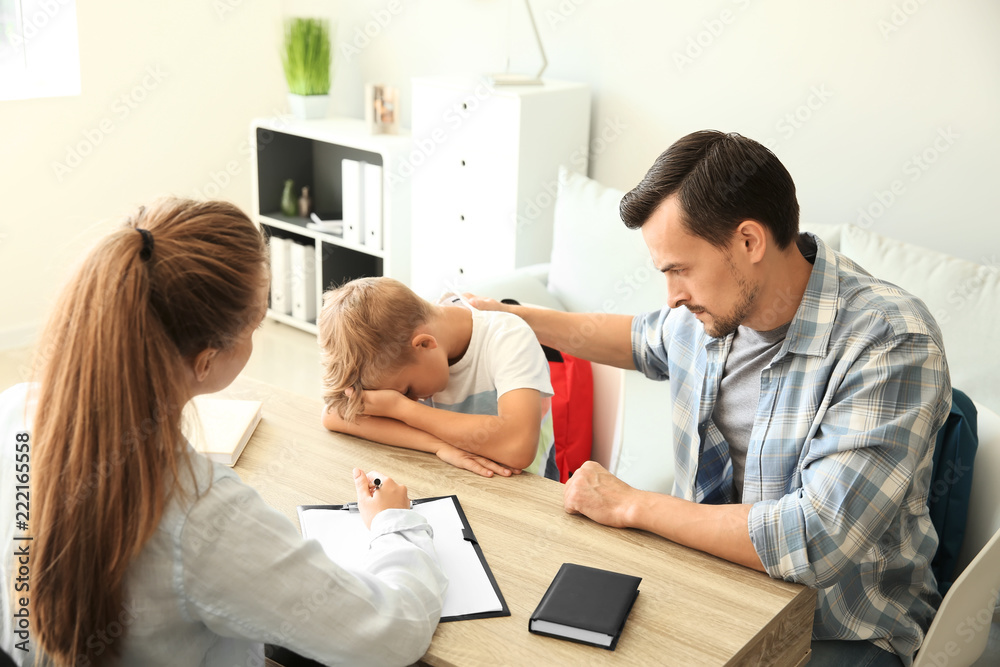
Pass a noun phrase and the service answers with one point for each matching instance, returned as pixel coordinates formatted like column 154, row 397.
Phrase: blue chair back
column 951, row 485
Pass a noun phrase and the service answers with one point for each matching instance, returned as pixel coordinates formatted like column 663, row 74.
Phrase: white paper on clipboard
column 345, row 540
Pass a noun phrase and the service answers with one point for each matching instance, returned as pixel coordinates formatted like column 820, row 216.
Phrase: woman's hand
column 473, row 462
column 371, row 501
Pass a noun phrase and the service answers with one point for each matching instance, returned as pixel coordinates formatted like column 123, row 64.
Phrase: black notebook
column 586, row 605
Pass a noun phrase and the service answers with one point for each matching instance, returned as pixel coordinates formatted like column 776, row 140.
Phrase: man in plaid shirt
column 806, row 398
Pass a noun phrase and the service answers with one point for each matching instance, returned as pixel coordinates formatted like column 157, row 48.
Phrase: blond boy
column 469, row 386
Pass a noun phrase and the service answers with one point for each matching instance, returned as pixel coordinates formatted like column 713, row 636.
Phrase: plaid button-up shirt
column 839, row 461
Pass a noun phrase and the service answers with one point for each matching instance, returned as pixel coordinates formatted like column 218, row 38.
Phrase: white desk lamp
column 509, row 79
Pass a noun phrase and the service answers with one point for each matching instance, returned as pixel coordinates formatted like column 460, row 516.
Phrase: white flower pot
column 309, row 106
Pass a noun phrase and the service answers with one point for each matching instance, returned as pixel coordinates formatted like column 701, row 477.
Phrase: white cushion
column 599, row 265
column 963, row 296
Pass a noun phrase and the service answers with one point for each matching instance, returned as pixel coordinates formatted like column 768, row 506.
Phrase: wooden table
column 693, row 609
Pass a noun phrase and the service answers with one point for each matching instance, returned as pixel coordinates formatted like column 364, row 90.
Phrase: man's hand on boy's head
column 473, row 462
column 485, row 302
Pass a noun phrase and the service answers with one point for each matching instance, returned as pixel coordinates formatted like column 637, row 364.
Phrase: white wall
column 885, row 98
column 192, row 72
column 887, row 79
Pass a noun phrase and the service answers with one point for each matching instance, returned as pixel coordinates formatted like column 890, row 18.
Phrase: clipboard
column 469, row 595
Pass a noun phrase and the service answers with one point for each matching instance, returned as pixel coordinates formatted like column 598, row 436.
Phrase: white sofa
column 600, row 266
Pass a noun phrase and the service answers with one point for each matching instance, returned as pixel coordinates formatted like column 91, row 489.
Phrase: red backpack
column 572, row 410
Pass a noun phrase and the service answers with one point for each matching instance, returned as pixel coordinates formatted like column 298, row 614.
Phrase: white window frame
column 39, row 50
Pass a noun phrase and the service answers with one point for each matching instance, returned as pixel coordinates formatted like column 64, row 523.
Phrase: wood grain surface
column 692, row 609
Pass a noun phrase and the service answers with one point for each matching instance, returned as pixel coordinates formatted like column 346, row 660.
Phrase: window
column 39, row 49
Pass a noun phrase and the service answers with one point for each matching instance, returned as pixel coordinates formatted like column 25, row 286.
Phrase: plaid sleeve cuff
column 649, row 352
column 780, row 547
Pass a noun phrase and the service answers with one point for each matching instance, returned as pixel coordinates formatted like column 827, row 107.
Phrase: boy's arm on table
column 509, row 438
column 393, row 432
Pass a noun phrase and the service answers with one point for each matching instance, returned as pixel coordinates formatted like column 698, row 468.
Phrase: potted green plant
column 307, row 58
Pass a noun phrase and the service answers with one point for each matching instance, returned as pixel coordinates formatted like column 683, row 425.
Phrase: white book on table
column 303, row 271
column 220, row 428
column 372, row 207
column 281, row 283
column 351, row 183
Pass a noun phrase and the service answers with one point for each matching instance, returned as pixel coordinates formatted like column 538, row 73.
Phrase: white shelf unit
column 483, row 199
column 310, row 152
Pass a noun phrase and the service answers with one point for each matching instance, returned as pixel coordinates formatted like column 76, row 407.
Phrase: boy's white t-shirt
column 503, row 355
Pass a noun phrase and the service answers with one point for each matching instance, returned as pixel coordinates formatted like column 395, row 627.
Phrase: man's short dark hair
column 720, row 180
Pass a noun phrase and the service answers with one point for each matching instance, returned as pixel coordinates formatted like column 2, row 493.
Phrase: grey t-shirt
column 739, row 391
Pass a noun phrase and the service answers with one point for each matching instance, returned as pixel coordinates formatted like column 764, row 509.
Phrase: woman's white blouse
column 227, row 572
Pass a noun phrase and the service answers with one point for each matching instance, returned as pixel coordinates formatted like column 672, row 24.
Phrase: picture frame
column 382, row 108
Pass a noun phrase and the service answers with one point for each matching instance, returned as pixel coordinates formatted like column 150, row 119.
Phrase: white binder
column 372, row 207
column 351, row 193
column 281, row 284
column 303, row 272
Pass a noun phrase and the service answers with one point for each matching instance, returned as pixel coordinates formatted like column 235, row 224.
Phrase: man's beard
column 723, row 326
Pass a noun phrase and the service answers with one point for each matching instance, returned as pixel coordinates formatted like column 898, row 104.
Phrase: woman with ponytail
column 139, row 551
